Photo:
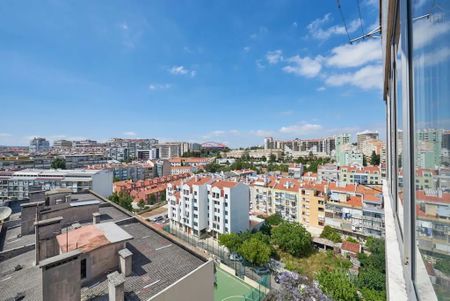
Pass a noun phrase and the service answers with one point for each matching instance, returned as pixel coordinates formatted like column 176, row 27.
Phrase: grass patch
column 315, row 262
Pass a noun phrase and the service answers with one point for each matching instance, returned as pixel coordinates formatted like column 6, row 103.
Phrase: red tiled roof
column 443, row 199
column 353, row 247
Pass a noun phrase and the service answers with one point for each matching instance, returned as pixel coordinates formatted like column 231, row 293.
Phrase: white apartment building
column 188, row 205
column 229, row 204
column 203, row 205
column 20, row 183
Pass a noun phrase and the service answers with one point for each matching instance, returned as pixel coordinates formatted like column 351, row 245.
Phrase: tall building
column 366, row 135
column 62, row 143
column 201, row 205
column 169, row 150
column 39, row 145
column 341, row 142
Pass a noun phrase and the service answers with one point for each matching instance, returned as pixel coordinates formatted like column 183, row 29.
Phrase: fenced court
column 231, row 288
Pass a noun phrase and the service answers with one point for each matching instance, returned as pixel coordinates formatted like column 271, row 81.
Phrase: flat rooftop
column 157, row 261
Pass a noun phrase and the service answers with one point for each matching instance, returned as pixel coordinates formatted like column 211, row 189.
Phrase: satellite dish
column 5, row 212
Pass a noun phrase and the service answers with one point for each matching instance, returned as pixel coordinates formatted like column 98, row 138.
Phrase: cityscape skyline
column 289, row 76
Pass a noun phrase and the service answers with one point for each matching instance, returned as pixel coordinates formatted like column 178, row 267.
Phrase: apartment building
column 368, row 146
column 190, row 161
column 62, row 144
column 39, row 145
column 144, row 189
column 204, row 205
column 188, row 205
column 128, row 171
column 176, row 170
column 354, row 208
column 328, row 172
column 21, row 183
column 366, row 135
column 228, row 207
column 169, row 150
column 365, row 175
column 312, row 199
column 126, row 149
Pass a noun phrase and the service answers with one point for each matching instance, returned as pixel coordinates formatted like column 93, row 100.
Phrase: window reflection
column 431, row 73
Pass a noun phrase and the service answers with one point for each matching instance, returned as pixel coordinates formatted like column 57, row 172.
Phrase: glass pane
column 431, row 82
column 399, row 137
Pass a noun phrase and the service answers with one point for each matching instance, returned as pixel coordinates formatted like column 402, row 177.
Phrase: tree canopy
column 331, row 234
column 58, row 163
column 292, row 238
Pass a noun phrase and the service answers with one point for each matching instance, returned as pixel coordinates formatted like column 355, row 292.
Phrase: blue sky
column 225, row 71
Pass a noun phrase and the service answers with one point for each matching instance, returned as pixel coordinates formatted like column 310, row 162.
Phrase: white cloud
column 317, row 31
column 426, row 30
column 156, row 86
column 274, row 57
column 368, row 77
column 261, row 133
column 259, row 64
column 355, row 55
column 129, row 133
column 306, row 66
column 246, row 48
column 182, row 70
column 320, row 89
column 433, row 58
column 301, row 128
column 124, row 26
column 295, row 24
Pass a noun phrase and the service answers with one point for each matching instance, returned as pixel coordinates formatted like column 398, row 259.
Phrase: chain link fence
column 212, row 247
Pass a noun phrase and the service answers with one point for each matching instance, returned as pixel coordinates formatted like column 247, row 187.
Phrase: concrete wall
column 62, row 282
column 73, row 214
column 239, row 203
column 28, row 216
column 102, row 260
column 183, row 288
column 102, row 183
column 52, row 198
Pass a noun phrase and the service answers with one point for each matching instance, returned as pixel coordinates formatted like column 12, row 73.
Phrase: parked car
column 235, row 257
column 157, row 219
column 261, row 270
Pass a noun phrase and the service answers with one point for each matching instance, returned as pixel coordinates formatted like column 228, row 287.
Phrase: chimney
column 116, row 285
column 96, row 218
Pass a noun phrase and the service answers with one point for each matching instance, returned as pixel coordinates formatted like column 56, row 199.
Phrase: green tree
column 443, row 265
column 274, row 219
column 152, row 199
column 351, row 239
column 141, row 204
column 374, row 159
column 116, row 179
column 58, row 163
column 272, row 158
column 372, row 295
column 162, row 196
column 255, row 251
column 337, row 285
column 292, row 238
column 364, row 161
column 331, row 234
column 230, row 240
column 371, row 278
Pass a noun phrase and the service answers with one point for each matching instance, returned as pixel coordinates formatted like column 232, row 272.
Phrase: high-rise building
column 366, row 135
column 39, row 145
column 62, row 143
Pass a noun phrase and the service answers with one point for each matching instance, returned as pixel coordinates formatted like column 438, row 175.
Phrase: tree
column 374, row 159
column 263, row 158
column 230, row 240
column 337, row 285
column 116, row 179
column 443, row 265
column 152, row 199
column 371, row 278
column 274, row 219
column 255, row 251
column 141, row 204
column 292, row 238
column 331, row 234
column 351, row 239
column 364, row 161
column 162, row 196
column 58, row 163
column 272, row 158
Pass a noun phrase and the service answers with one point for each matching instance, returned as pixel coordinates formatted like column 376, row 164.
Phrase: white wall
column 102, row 183
column 239, row 206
